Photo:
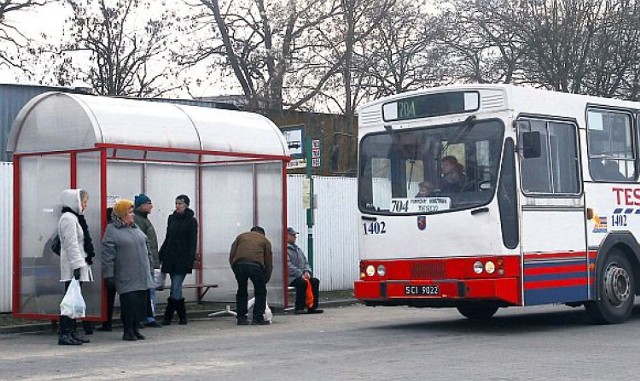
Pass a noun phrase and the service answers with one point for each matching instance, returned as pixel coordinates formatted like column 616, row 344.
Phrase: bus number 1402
column 374, row 228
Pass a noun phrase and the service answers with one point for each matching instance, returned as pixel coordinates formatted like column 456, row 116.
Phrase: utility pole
column 311, row 204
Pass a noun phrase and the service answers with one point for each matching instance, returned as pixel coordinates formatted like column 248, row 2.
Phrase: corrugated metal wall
column 6, row 231
column 12, row 99
column 335, row 231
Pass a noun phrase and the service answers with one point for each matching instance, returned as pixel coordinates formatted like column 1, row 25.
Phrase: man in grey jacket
column 142, row 208
column 299, row 274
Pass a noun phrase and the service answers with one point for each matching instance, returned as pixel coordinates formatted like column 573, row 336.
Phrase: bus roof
column 514, row 95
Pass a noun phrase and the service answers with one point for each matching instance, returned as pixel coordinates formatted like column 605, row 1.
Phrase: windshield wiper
column 460, row 133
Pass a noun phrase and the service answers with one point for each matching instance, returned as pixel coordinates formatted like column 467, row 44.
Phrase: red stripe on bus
column 554, row 269
column 556, row 283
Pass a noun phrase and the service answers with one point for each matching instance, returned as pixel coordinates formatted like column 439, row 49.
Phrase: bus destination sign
column 429, row 105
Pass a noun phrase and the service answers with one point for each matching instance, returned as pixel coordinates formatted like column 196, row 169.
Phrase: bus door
column 552, row 213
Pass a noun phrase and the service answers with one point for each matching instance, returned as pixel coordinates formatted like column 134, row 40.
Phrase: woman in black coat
column 177, row 255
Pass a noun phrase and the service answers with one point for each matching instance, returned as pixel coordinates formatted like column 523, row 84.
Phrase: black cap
column 184, row 198
column 258, row 229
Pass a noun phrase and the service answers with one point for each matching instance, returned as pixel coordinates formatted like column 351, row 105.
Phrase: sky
column 50, row 20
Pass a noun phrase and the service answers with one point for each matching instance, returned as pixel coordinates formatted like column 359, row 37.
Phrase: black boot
column 129, row 335
column 74, row 332
column 182, row 312
column 64, row 336
column 105, row 327
column 128, row 324
column 88, row 327
column 137, row 333
column 168, row 313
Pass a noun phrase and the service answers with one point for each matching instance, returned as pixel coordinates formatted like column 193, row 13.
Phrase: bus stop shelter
column 231, row 164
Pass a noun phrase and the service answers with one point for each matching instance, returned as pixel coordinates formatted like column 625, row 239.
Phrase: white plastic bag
column 268, row 315
column 72, row 304
column 159, row 278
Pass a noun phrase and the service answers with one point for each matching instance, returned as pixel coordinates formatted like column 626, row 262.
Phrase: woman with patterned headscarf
column 125, row 266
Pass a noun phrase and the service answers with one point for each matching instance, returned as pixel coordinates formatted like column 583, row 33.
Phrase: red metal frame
column 73, row 171
column 199, row 274
column 16, row 233
column 104, row 158
column 103, row 215
column 195, row 152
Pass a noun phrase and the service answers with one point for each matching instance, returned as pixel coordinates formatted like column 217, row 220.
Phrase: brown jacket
column 252, row 247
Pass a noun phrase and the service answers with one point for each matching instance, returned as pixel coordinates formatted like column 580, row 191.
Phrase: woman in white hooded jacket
column 76, row 256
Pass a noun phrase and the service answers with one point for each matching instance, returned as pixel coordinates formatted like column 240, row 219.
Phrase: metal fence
column 335, row 234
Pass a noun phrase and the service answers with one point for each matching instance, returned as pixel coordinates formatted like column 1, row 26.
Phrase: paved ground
column 9, row 324
column 347, row 343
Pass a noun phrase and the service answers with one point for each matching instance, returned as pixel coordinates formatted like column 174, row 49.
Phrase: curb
column 193, row 314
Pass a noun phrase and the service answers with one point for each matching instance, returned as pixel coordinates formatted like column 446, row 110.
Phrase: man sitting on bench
column 299, row 273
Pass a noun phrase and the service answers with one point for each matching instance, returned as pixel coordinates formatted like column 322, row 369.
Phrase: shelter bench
column 199, row 286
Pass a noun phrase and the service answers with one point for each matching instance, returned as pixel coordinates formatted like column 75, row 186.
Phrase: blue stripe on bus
column 571, row 275
column 530, row 265
column 555, row 295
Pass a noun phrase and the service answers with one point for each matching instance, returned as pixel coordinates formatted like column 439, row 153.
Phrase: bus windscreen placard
column 419, row 205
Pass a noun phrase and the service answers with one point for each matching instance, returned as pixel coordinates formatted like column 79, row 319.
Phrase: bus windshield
column 429, row 170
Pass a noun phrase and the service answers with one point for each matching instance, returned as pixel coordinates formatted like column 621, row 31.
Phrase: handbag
column 308, row 300
column 56, row 245
column 73, row 304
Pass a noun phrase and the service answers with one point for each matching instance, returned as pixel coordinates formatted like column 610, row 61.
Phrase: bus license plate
column 422, row 290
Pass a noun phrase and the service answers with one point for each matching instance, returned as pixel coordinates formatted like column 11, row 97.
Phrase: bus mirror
column 531, row 145
column 343, row 154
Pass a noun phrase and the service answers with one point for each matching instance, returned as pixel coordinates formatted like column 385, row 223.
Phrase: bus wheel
column 477, row 310
column 616, row 291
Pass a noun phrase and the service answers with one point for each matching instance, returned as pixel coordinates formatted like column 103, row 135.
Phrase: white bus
column 486, row 196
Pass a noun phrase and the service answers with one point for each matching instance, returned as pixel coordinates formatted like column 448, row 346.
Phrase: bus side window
column 610, row 145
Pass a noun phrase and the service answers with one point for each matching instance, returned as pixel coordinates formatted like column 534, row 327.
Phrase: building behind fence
column 335, row 231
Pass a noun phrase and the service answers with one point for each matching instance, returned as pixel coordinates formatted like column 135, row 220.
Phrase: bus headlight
column 382, row 271
column 489, row 267
column 477, row 267
column 371, row 270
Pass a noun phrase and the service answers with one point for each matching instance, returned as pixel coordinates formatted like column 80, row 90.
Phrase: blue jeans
column 176, row 286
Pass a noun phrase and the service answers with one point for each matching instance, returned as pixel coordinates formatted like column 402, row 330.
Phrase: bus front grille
column 428, row 270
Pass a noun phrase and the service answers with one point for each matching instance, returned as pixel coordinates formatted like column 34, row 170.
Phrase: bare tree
column 613, row 63
column 559, row 36
column 402, row 53
column 14, row 44
column 360, row 18
column 483, row 39
column 270, row 48
column 125, row 57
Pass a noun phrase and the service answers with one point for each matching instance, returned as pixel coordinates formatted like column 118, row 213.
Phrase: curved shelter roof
column 57, row 121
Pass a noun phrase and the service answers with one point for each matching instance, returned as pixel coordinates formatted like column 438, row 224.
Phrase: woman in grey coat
column 125, row 265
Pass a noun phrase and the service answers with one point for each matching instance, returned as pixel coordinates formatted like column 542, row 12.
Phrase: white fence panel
column 6, row 235
column 335, row 231
column 335, row 234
